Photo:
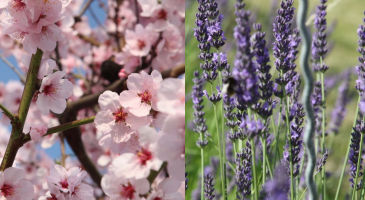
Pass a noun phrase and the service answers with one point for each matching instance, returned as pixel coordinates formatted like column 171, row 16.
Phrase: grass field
column 343, row 15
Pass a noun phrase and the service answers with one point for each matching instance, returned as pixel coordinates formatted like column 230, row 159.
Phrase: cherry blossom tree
column 114, row 92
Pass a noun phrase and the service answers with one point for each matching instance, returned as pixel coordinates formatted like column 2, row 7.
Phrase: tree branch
column 16, row 137
column 73, row 137
column 30, row 86
column 7, row 112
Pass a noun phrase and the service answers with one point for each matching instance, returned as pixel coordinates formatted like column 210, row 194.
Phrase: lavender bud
column 355, row 150
column 244, row 71
column 209, row 186
column 243, row 172
column 199, row 124
column 322, row 161
column 279, row 186
column 339, row 111
column 319, row 43
column 296, row 131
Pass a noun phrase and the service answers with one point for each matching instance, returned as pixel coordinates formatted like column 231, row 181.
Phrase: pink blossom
column 34, row 22
column 47, row 68
column 141, row 95
column 129, row 61
column 69, row 183
column 140, row 41
column 36, row 132
column 138, row 164
column 120, row 188
column 46, row 40
column 14, row 90
column 171, row 96
column 53, row 93
column 168, row 189
column 14, row 186
column 115, row 120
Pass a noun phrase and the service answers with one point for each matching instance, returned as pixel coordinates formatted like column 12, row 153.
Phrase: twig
column 12, row 67
column 7, row 112
column 64, row 127
column 116, row 21
column 83, row 10
column 153, row 175
column 63, row 151
column 308, row 88
column 90, row 40
column 58, row 58
column 136, row 10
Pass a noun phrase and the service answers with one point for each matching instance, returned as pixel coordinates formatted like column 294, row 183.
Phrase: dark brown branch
column 73, row 137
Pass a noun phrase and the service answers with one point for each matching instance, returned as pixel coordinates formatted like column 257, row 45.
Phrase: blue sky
column 7, row 74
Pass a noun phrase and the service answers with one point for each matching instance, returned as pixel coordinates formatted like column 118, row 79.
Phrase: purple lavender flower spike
column 279, row 186
column 339, row 111
column 231, row 120
column 209, row 192
column 285, row 46
column 266, row 85
column 243, row 172
column 200, row 126
column 215, row 32
column 322, row 161
column 355, row 151
column 319, row 43
column 214, row 97
column 252, row 128
column 317, row 107
column 261, row 53
column 296, row 131
column 209, row 34
column 360, row 82
column 244, row 71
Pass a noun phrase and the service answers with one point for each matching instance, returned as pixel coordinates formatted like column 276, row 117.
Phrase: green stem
column 269, row 167
column 362, row 188
column 223, row 138
column 277, row 136
column 323, row 171
column 255, row 183
column 292, row 189
column 202, row 168
column 30, row 86
column 263, row 141
column 220, row 148
column 347, row 153
column 64, row 127
column 7, row 112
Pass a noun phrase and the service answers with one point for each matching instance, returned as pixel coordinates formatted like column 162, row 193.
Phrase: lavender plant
column 261, row 110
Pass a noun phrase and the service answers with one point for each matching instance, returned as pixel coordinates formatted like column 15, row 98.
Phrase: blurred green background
column 344, row 17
